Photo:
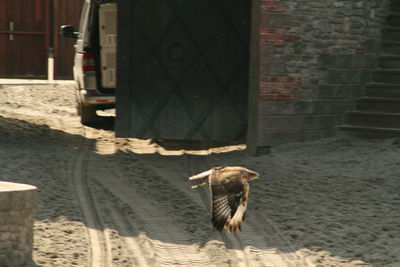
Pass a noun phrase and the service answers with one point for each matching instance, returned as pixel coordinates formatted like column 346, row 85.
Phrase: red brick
column 268, row 2
column 280, row 30
column 273, row 97
column 360, row 50
column 273, row 36
column 291, row 85
column 286, row 97
column 294, row 79
column 267, row 97
column 280, row 79
column 273, row 31
column 274, row 85
column 336, row 20
column 277, row 91
column 279, row 85
column 289, row 37
column 278, row 43
column 272, row 8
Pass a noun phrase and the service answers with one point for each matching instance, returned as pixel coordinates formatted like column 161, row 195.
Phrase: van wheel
column 87, row 113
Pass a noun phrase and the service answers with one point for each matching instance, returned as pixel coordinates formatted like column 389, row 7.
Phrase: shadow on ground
column 39, row 155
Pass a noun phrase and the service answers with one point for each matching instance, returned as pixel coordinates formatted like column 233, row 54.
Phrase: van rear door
column 108, row 43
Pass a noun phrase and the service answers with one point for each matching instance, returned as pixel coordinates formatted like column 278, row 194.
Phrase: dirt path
column 105, row 201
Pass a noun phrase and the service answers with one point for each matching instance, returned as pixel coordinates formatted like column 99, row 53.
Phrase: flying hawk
column 229, row 193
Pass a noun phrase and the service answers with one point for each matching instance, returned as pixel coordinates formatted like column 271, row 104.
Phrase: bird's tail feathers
column 234, row 224
column 201, row 175
column 234, row 227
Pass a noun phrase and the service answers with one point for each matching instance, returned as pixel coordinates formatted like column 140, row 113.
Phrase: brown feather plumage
column 229, row 193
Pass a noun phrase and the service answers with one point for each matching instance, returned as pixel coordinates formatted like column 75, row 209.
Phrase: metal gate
column 23, row 38
column 183, row 69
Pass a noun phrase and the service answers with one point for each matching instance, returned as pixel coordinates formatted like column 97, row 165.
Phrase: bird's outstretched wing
column 229, row 202
column 229, row 193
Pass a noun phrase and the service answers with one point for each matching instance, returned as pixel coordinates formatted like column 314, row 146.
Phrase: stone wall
column 315, row 58
column 17, row 205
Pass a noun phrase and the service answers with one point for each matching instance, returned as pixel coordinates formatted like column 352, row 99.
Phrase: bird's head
column 250, row 175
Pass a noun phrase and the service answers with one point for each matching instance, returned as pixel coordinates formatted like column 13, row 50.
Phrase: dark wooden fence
column 65, row 12
column 29, row 31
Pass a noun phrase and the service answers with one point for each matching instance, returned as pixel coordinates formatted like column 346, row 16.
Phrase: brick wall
column 17, row 205
column 315, row 57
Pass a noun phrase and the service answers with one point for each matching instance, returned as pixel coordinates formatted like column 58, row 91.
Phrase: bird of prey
column 229, row 193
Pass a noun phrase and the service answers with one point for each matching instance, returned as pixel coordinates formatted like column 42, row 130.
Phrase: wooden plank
column 66, row 12
column 28, row 15
column 3, row 54
column 26, row 55
column 22, row 32
column 24, row 62
column 25, row 44
column 3, row 38
column 3, row 15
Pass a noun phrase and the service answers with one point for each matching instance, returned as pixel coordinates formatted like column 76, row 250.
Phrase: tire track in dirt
column 171, row 245
column 124, row 228
column 100, row 255
column 182, row 167
column 99, row 212
column 249, row 247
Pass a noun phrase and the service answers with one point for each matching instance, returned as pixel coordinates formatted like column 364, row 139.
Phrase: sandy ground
column 105, row 201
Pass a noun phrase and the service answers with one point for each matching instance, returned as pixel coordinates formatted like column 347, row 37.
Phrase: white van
column 95, row 58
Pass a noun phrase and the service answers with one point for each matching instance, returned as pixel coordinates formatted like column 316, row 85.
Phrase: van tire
column 88, row 114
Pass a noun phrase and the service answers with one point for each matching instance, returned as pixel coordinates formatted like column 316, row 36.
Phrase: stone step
column 368, row 132
column 373, row 119
column 386, row 76
column 378, row 104
column 382, row 90
column 395, row 6
column 389, row 62
column 393, row 19
column 391, row 34
column 391, row 47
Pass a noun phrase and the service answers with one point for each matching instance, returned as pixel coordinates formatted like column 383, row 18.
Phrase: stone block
column 284, row 108
column 332, row 106
column 326, row 91
column 300, row 123
column 274, row 138
column 5, row 236
column 329, row 122
column 347, row 76
column 337, row 46
column 18, row 200
column 274, row 65
column 373, row 45
column 349, row 91
column 16, row 221
column 346, row 61
column 31, row 199
column 5, row 203
column 277, row 20
column 339, row 91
